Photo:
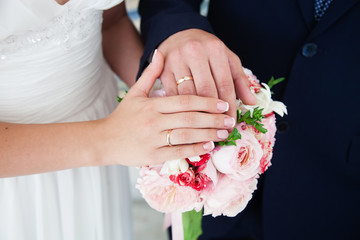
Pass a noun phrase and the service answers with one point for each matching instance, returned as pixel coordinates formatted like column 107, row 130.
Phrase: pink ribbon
column 175, row 221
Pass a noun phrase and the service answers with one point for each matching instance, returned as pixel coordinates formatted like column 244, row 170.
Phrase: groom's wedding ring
column 186, row 78
column 168, row 137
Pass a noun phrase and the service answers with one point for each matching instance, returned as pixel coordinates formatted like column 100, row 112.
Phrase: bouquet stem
column 192, row 224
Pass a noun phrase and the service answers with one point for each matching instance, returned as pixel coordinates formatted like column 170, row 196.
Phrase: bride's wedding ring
column 168, row 137
column 186, row 78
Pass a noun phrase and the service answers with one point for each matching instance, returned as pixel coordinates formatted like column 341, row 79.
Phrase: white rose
column 173, row 167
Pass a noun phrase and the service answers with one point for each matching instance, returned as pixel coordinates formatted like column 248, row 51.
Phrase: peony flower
column 210, row 171
column 164, row 195
column 267, row 141
column 265, row 161
column 229, row 197
column 174, row 167
column 242, row 161
column 270, row 124
column 254, row 83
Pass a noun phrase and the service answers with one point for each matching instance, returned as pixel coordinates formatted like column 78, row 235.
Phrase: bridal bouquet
column 223, row 181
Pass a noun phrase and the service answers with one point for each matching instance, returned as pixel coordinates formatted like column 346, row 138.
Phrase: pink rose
column 165, row 196
column 242, row 161
column 229, row 197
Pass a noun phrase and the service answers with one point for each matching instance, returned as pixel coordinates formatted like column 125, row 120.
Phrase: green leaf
column 119, row 99
column 238, row 115
column 233, row 136
column 255, row 120
column 272, row 82
column 227, row 143
column 192, row 224
column 260, row 127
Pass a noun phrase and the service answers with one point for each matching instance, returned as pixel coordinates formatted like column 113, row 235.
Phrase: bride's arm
column 135, row 134
column 34, row 148
column 121, row 44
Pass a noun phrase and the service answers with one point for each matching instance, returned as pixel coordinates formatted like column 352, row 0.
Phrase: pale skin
column 133, row 135
column 216, row 70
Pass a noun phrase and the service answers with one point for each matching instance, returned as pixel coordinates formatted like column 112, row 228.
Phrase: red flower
column 203, row 159
column 183, row 179
column 200, row 181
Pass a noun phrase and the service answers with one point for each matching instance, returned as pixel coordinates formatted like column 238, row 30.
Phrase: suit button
column 309, row 50
column 282, row 126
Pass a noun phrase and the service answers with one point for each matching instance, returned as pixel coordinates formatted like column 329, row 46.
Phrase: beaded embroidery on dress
column 52, row 70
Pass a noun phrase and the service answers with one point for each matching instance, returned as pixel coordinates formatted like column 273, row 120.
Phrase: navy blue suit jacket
column 312, row 190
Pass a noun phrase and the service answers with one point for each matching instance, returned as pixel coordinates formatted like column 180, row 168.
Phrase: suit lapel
column 307, row 10
column 336, row 9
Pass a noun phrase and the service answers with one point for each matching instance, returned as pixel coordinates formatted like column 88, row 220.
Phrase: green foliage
column 254, row 120
column 272, row 82
column 233, row 136
column 119, row 99
column 192, row 224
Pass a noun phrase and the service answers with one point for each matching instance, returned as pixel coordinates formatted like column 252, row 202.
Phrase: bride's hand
column 136, row 133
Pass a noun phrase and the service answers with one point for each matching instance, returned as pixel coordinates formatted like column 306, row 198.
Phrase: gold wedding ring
column 168, row 137
column 186, row 78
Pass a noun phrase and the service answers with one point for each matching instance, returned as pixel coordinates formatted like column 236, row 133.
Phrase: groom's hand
column 216, row 71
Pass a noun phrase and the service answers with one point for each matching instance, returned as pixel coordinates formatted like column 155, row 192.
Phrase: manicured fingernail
column 222, row 106
column 229, row 122
column 152, row 58
column 223, row 134
column 209, row 146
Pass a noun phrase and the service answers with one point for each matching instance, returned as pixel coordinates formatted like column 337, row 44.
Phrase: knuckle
column 174, row 55
column 193, row 47
column 218, row 121
column 189, row 119
column 206, row 91
column 216, row 46
column 185, row 101
column 184, row 136
column 235, row 58
column 211, row 134
column 226, row 86
column 187, row 91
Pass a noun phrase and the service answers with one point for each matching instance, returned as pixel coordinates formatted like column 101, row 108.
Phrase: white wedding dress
column 52, row 70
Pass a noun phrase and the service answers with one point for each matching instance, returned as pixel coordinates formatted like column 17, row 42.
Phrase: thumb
column 149, row 76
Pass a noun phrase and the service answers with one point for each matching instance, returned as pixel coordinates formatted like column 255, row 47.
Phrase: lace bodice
column 29, row 24
column 65, row 30
column 50, row 61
